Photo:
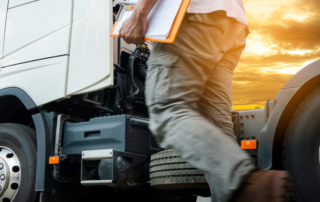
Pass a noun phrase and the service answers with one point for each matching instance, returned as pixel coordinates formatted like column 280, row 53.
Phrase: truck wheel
column 168, row 171
column 302, row 149
column 17, row 163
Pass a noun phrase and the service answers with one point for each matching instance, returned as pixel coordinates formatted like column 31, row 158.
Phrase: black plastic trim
column 21, row 95
column 44, row 126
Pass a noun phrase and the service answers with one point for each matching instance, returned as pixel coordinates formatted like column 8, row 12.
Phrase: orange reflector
column 54, row 160
column 131, row 8
column 249, row 144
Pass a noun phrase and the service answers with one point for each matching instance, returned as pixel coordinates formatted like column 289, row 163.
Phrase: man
column 188, row 93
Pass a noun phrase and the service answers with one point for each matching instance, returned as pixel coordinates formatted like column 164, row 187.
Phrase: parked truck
column 74, row 124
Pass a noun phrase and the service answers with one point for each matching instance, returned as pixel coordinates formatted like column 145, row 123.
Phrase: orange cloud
column 285, row 37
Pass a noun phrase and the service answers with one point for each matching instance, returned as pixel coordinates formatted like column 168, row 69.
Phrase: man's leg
column 175, row 83
column 204, row 146
column 216, row 102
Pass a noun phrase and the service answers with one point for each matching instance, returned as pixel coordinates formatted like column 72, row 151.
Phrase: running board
column 94, row 155
column 96, row 182
column 97, row 154
column 108, row 166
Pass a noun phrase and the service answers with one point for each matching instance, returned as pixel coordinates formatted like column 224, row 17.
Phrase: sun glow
column 296, row 52
column 283, row 39
column 256, row 45
column 296, row 17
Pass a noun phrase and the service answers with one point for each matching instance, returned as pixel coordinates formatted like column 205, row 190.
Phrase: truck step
column 94, row 155
column 96, row 182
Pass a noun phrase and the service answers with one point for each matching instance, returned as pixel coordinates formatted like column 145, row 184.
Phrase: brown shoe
column 265, row 186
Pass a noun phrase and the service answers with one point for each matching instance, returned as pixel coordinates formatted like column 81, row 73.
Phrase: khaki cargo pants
column 188, row 92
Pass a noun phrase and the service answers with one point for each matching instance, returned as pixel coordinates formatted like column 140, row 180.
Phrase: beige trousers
column 188, row 93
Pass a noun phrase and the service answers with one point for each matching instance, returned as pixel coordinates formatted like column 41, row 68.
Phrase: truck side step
column 109, row 166
column 96, row 182
column 95, row 155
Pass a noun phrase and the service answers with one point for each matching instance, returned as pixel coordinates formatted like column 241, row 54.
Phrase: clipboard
column 175, row 26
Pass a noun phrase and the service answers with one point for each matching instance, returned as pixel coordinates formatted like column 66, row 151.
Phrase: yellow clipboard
column 175, row 26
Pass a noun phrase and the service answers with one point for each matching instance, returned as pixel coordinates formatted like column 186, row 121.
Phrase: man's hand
column 134, row 29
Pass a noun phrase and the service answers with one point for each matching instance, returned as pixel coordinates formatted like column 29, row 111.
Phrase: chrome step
column 96, row 182
column 93, row 155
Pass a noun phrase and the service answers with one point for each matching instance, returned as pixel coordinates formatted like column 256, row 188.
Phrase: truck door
column 36, row 30
column 36, row 48
column 56, row 48
column 91, row 62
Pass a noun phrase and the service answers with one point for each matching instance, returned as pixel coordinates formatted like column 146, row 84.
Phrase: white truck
column 74, row 125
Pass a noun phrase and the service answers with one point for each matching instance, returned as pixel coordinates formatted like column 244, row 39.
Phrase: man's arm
column 134, row 29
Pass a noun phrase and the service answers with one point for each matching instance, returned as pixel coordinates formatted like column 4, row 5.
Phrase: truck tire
column 302, row 149
column 168, row 171
column 17, row 163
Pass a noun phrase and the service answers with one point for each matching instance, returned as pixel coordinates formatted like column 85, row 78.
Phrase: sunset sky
column 285, row 37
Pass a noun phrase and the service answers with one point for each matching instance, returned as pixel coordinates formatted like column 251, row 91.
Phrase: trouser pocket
column 159, row 78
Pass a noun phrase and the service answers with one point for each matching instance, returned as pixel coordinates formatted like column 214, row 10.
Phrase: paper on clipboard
column 160, row 19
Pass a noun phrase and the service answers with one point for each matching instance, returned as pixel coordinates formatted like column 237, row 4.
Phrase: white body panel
column 3, row 14
column 101, row 85
column 56, row 48
column 43, row 80
column 37, row 30
column 91, row 59
column 14, row 3
column 57, row 41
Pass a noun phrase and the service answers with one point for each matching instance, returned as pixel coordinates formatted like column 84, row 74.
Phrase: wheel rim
column 10, row 174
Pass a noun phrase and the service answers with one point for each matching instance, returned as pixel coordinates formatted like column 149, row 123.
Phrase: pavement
column 201, row 199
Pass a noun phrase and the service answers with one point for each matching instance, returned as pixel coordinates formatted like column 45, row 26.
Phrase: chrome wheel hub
column 10, row 174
